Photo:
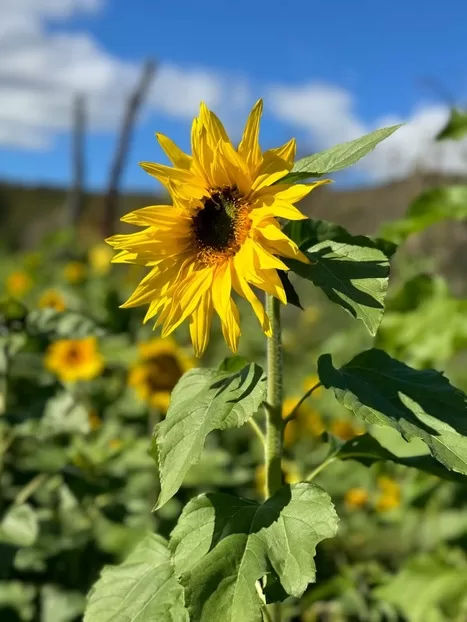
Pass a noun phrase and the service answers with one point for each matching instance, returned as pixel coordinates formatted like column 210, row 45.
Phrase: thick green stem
column 275, row 424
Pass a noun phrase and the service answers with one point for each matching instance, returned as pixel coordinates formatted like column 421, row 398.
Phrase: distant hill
column 27, row 213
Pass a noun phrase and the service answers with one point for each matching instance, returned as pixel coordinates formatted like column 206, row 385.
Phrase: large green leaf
column 432, row 206
column 421, row 404
column 338, row 157
column 141, row 589
column 203, row 400
column 367, row 450
column 223, row 545
column 428, row 589
column 351, row 270
column 456, row 126
column 19, row 526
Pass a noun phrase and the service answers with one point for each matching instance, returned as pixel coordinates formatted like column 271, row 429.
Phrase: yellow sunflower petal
column 200, row 324
column 287, row 151
column 215, row 130
column 174, row 153
column 277, row 242
column 243, row 289
column 225, row 306
column 271, row 169
column 249, row 148
column 165, row 216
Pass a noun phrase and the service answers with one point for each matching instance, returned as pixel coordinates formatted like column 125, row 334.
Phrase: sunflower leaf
column 418, row 404
column 430, row 207
column 338, row 157
column 456, row 126
column 290, row 291
column 141, row 589
column 353, row 271
column 223, row 545
column 203, row 400
column 19, row 527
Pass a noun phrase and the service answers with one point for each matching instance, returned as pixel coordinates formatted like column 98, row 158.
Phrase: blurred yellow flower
column 99, row 257
column 386, row 503
column 161, row 365
column 291, row 472
column 345, row 429
column 311, row 315
column 18, row 283
column 390, row 497
column 74, row 272
column 307, row 422
column 52, row 299
column 74, row 359
column 95, row 422
column 115, row 444
column 356, row 498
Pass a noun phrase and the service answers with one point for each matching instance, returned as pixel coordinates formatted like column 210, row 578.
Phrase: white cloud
column 326, row 114
column 41, row 71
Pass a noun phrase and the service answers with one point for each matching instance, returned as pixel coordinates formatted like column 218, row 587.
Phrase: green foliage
column 428, row 589
column 142, row 589
column 223, row 545
column 204, row 400
column 432, row 206
column 421, row 404
column 338, row 157
column 352, row 271
column 456, row 126
column 19, row 526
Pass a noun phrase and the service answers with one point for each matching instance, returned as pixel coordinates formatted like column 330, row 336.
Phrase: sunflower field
column 312, row 470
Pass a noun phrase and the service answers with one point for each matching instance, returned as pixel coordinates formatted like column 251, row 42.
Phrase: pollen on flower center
column 221, row 225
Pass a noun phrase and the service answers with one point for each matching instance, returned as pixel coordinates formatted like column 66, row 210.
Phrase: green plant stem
column 258, row 431
column 274, row 421
column 294, row 412
column 30, row 488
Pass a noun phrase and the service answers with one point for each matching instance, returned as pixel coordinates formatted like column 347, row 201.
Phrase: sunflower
column 356, row 498
column 160, row 367
column 99, row 257
column 345, row 429
column 74, row 272
column 74, row 359
column 52, row 299
column 18, row 283
column 221, row 233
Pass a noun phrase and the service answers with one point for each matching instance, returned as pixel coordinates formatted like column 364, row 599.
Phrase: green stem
column 257, row 430
column 274, row 421
column 294, row 412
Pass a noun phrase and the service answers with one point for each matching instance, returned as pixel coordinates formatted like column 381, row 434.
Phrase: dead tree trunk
column 76, row 198
column 134, row 103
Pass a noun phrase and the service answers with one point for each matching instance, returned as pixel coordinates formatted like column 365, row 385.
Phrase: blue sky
column 327, row 72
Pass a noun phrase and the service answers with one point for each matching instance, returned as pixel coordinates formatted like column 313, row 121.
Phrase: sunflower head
column 18, row 283
column 74, row 359
column 99, row 257
column 159, row 368
column 356, row 498
column 52, row 299
column 74, row 272
column 221, row 233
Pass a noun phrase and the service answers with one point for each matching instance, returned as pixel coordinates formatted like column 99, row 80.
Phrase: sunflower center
column 221, row 226
column 73, row 355
column 163, row 373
